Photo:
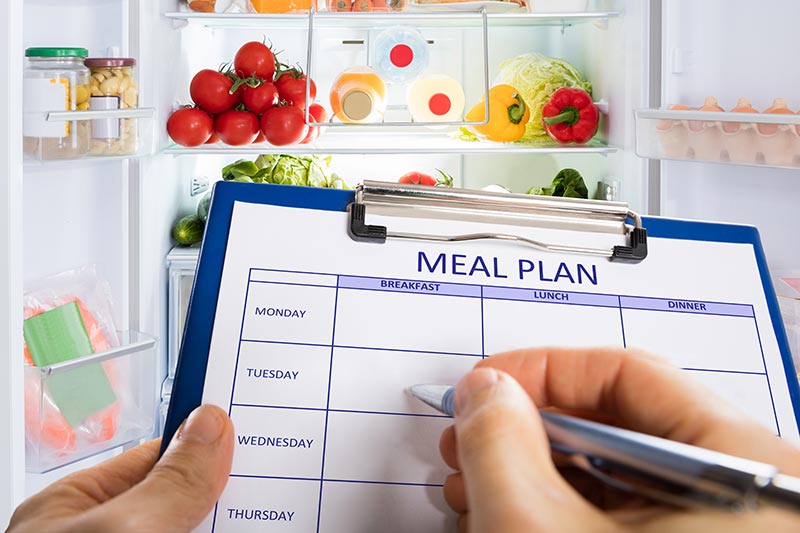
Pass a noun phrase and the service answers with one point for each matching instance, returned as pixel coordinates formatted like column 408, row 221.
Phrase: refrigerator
column 117, row 212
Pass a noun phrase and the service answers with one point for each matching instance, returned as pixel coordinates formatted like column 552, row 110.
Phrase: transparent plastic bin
column 721, row 137
column 67, row 420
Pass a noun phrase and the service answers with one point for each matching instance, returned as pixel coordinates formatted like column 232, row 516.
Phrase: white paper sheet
column 316, row 338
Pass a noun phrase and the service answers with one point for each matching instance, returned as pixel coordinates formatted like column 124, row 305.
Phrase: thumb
column 510, row 480
column 185, row 483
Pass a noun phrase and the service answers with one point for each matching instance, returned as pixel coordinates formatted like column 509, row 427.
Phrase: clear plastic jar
column 55, row 79
column 113, row 86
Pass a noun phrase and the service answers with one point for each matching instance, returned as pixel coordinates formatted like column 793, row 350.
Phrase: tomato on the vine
column 190, row 126
column 260, row 137
column 316, row 113
column 254, row 59
column 214, row 138
column 236, row 128
column 284, row 125
column 291, row 86
column 259, row 99
column 210, row 90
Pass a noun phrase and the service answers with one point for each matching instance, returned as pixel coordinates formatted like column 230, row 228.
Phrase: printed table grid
column 470, row 291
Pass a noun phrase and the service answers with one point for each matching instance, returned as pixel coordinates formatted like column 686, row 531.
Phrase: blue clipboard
column 193, row 359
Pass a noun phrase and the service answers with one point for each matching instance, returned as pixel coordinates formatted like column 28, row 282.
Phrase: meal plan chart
column 317, row 337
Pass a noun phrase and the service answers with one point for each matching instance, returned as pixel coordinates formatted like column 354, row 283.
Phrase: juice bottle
column 358, row 95
column 435, row 98
column 399, row 54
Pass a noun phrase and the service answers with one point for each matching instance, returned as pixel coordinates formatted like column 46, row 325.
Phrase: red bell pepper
column 570, row 116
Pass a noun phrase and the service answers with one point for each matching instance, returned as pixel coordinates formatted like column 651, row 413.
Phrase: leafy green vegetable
column 282, row 169
column 189, row 230
column 567, row 183
column 537, row 77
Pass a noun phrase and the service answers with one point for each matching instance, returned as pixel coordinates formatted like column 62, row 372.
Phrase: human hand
column 506, row 477
column 133, row 492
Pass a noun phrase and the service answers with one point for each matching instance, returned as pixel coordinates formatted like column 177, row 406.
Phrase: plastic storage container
column 365, row 6
column 113, row 86
column 55, row 79
column 91, row 404
column 358, row 95
column 283, row 6
column 399, row 54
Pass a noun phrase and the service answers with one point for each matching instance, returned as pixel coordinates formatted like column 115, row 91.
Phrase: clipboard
column 429, row 202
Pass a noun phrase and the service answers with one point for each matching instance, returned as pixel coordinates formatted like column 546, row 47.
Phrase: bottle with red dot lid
column 435, row 98
column 399, row 54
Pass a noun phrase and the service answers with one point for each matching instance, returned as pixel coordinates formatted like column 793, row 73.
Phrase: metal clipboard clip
column 497, row 207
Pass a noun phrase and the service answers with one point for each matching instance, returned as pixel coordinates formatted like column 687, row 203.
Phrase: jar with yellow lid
column 113, row 86
column 55, row 79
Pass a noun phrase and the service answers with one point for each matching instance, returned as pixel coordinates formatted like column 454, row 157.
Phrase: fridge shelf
column 359, row 140
column 85, row 406
column 719, row 137
column 98, row 134
column 327, row 19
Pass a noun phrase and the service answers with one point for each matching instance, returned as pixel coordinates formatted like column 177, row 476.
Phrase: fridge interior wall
column 733, row 49
column 117, row 214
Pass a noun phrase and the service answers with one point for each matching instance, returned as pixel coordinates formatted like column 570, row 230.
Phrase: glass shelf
column 353, row 142
column 326, row 19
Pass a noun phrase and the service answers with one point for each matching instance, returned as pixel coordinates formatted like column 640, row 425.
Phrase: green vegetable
column 309, row 171
column 188, row 230
column 567, row 183
column 537, row 77
column 203, row 205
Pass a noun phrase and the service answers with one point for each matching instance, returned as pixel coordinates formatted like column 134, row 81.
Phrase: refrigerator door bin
column 719, row 137
column 84, row 406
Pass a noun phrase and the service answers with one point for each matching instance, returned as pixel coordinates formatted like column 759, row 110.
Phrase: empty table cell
column 708, row 342
column 748, row 392
column 296, row 278
column 362, row 508
column 278, row 442
column 404, row 321
column 509, row 325
column 286, row 375
column 377, row 380
column 385, row 448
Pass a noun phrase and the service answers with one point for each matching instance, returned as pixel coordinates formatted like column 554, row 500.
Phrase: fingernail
column 474, row 382
column 204, row 425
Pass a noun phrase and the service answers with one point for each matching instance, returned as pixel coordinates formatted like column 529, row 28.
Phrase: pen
column 676, row 473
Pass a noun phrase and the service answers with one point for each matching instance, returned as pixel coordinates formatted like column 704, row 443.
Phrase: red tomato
column 237, row 128
column 190, row 126
column 417, row 178
column 213, row 139
column 292, row 88
column 260, row 137
column 210, row 90
column 254, row 59
column 316, row 113
column 284, row 125
column 259, row 99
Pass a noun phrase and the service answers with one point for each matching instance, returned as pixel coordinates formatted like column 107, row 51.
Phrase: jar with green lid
column 113, row 86
column 55, row 79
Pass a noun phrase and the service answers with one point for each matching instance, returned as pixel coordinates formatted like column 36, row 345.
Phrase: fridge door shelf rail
column 69, row 116
column 326, row 19
column 89, row 405
column 759, row 139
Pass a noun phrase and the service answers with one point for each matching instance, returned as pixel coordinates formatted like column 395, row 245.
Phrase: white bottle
column 435, row 98
column 399, row 54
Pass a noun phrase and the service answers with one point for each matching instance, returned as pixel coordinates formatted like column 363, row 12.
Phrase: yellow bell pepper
column 508, row 115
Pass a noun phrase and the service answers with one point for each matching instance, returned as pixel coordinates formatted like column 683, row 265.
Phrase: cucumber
column 202, row 206
column 188, row 230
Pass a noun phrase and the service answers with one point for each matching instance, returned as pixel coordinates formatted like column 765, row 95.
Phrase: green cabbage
column 537, row 77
